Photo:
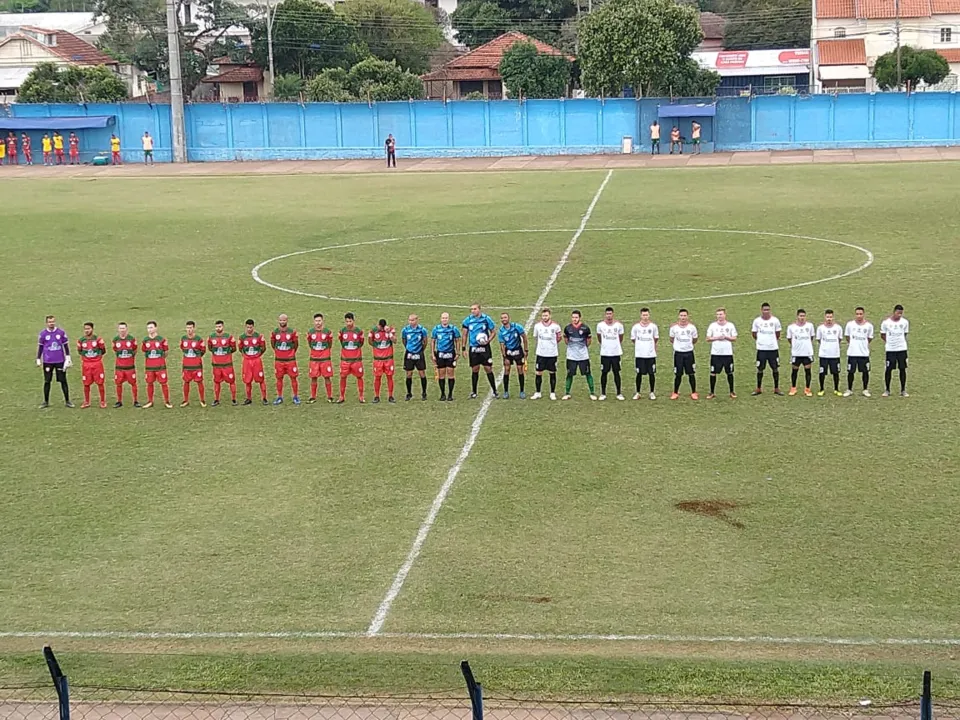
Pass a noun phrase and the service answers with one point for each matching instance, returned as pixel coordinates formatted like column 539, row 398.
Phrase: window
column 773, row 83
column 946, row 35
column 840, row 33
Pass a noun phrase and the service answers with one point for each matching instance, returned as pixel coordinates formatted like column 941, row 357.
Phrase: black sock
column 903, row 380
column 866, row 379
column 793, row 376
column 603, row 381
column 443, row 387
column 887, row 377
column 616, row 381
column 776, row 379
column 653, row 381
column 849, row 380
column 409, row 386
column 759, row 380
column 553, row 382
column 538, row 382
column 492, row 380
column 639, row 382
column 522, row 380
column 451, row 381
column 713, row 383
column 506, row 382
column 423, row 384
column 46, row 391
column 676, row 382
column 692, row 379
column 823, row 376
column 836, row 381
column 473, row 381
column 807, row 376
column 730, row 381
column 66, row 390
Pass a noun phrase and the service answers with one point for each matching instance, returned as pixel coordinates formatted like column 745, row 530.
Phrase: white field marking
column 863, row 266
column 529, row 637
column 376, row 624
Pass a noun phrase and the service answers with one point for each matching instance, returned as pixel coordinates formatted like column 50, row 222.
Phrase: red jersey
column 74, row 144
column 285, row 343
column 321, row 344
column 26, row 144
column 11, row 146
column 155, row 352
column 351, row 342
column 126, row 351
column 222, row 348
column 193, row 350
column 381, row 340
column 253, row 346
column 91, row 349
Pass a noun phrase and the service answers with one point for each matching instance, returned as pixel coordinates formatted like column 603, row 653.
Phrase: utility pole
column 178, row 133
column 896, row 6
column 270, row 46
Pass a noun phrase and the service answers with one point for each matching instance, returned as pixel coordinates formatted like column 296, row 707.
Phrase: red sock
column 103, row 392
column 390, row 385
column 166, row 393
column 295, row 386
column 360, row 387
column 136, row 393
column 263, row 390
column 233, row 391
column 343, row 386
column 86, row 394
column 216, row 392
column 120, row 393
column 186, row 392
column 329, row 385
column 313, row 388
column 149, row 392
column 203, row 392
column 376, row 385
column 249, row 388
column 279, row 387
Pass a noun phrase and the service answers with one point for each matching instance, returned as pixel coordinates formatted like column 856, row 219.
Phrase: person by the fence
column 695, row 137
column 676, row 142
column 391, row 147
column 147, row 142
column 655, row 138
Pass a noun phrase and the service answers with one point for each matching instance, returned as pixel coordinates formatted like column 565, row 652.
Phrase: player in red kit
column 27, row 146
column 320, row 341
column 382, row 338
column 285, row 342
column 125, row 370
column 222, row 346
column 253, row 346
column 74, row 143
column 155, row 348
column 351, row 355
column 193, row 347
column 12, row 150
column 92, row 349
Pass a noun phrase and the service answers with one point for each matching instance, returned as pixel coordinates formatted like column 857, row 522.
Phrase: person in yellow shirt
column 695, row 137
column 58, row 147
column 3, row 151
column 47, row 146
column 115, row 149
column 147, row 141
column 655, row 138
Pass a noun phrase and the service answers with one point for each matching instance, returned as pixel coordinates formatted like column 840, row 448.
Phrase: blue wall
column 287, row 131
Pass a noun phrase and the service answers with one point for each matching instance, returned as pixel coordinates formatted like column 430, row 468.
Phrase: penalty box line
column 380, row 617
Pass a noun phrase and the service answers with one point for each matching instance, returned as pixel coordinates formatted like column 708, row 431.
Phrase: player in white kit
column 859, row 335
column 800, row 335
column 829, row 335
column 646, row 336
column 610, row 332
column 893, row 332
column 683, row 335
column 766, row 331
column 547, row 334
column 721, row 334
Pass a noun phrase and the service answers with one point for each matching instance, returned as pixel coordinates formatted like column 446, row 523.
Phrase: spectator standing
column 391, row 147
column 27, row 146
column 58, row 147
column 12, row 150
column 147, row 142
column 74, row 149
column 655, row 138
column 46, row 145
column 695, row 137
column 675, row 140
column 115, row 150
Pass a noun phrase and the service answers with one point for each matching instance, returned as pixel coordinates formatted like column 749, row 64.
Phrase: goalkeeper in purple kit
column 53, row 355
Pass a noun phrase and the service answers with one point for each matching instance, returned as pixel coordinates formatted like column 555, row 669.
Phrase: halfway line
column 385, row 606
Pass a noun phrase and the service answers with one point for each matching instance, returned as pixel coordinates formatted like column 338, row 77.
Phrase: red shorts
column 92, row 373
column 74, row 154
column 351, row 367
column 194, row 375
column 58, row 153
column 283, row 368
column 159, row 376
column 252, row 370
column 224, row 373
column 125, row 376
column 381, row 367
column 321, row 368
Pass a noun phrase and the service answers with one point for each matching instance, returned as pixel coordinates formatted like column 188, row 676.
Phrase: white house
column 84, row 25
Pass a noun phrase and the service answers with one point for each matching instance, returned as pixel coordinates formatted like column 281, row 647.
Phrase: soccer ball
column 482, row 338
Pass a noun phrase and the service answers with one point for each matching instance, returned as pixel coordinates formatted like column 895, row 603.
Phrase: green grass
column 563, row 519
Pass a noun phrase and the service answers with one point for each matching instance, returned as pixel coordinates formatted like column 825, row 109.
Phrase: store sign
column 732, row 59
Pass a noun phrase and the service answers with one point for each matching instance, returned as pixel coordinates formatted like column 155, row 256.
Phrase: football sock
column 343, row 386
column 692, row 379
column 866, row 379
column 423, row 385
column 590, row 383
column 603, row 381
column 506, row 382
column 776, row 378
column 730, row 381
column 522, row 380
column 360, row 387
column 279, row 387
column 186, row 392
column 616, row 381
column 165, row 389
column 249, row 389
column 65, row 388
column 676, row 382
column 119, row 393
column 409, row 386
column 569, row 384
column 149, row 392
column 887, row 377
column 46, row 391
column 759, row 379
column 314, row 386
column 263, row 390
column 639, row 381
column 294, row 386
column 793, row 377
column 903, row 381
column 377, row 380
column 216, row 392
column 836, row 381
column 849, row 380
column 822, row 378
column 390, row 385
column 538, row 382
column 443, row 387
column 553, row 382
column 136, row 393
column 451, row 383
column 653, row 381
column 492, row 380
column 713, row 383
column 86, row 393
column 473, row 381
column 807, row 377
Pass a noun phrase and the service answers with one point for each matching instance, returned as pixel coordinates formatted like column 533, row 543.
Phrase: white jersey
column 829, row 337
column 644, row 340
column 801, row 339
column 610, row 338
column 728, row 331
column 546, row 336
column 766, row 331
column 683, row 337
column 896, row 332
column 859, row 336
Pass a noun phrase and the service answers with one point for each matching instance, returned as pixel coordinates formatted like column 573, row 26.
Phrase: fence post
column 473, row 688
column 926, row 699
column 60, row 683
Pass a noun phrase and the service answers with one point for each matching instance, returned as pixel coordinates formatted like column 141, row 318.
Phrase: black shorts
column 610, row 363
column 684, row 363
column 446, row 359
column 646, row 366
column 546, row 363
column 514, row 357
column 829, row 365
column 480, row 356
column 721, row 364
column 799, row 360
column 575, row 366
column 48, row 369
column 414, row 361
column 897, row 359
column 858, row 363
column 768, row 357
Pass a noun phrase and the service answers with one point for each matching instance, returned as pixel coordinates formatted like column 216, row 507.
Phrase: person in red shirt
column 12, row 150
column 285, row 342
column 253, row 346
column 193, row 349
column 222, row 346
column 351, row 355
column 27, row 146
column 155, row 348
column 320, row 341
column 125, row 370
column 382, row 338
column 91, row 349
column 74, row 143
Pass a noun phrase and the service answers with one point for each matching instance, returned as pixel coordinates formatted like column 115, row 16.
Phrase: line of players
column 447, row 343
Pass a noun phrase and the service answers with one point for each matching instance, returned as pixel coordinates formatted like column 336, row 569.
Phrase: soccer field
column 423, row 521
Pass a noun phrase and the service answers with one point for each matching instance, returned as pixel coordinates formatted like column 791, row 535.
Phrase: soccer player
column 58, row 147
column 829, row 335
column 893, row 332
column 253, row 346
column 414, row 337
column 46, row 144
column 382, row 338
column 859, row 335
column 91, row 349
column 683, row 336
column 12, row 158
column 578, row 338
column 53, row 355
column 547, row 334
column 351, row 355
column 115, row 150
column 478, row 332
column 721, row 334
column 155, row 348
column 193, row 349
column 766, row 331
column 610, row 332
column 285, row 342
column 74, row 143
column 147, row 142
column 27, row 146
column 800, row 335
column 320, row 342
column 445, row 344
column 513, row 350
column 646, row 336
column 222, row 346
column 125, row 368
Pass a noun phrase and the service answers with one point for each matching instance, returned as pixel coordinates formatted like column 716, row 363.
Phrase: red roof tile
column 68, row 47
column 486, row 58
column 884, row 9
column 236, row 75
column 836, row 9
column 842, row 52
column 951, row 56
column 945, row 7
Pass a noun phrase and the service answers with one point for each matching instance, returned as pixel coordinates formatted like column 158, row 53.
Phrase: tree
column 767, row 24
column 480, row 21
column 370, row 79
column 531, row 74
column 404, row 31
column 48, row 82
column 915, row 65
column 288, row 87
column 643, row 44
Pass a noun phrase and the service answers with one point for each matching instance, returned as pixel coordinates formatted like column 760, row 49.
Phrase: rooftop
column 842, row 52
column 483, row 63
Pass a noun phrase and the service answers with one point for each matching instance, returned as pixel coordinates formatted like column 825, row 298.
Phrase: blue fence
column 287, row 131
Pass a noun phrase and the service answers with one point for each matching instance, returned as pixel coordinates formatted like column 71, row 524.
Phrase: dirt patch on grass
column 715, row 509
